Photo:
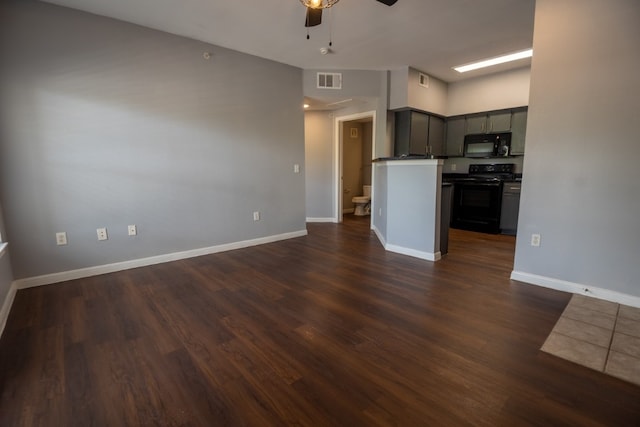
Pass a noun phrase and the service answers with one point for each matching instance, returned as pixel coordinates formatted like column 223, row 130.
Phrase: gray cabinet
column 418, row 133
column 476, row 124
column 411, row 133
column 499, row 121
column 436, row 136
column 512, row 120
column 510, row 208
column 518, row 130
column 455, row 136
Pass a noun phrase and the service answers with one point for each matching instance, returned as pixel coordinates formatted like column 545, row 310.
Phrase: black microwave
column 487, row 145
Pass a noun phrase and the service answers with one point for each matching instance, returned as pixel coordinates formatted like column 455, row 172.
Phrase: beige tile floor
column 600, row 335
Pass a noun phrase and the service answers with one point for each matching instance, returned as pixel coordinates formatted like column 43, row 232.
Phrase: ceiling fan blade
column 313, row 18
column 388, row 2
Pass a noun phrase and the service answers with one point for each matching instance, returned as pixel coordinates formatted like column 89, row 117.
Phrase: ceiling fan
column 314, row 9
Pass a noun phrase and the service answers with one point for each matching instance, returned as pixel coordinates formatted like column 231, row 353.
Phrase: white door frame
column 337, row 164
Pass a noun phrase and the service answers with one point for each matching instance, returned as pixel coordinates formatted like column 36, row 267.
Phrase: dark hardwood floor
column 323, row 330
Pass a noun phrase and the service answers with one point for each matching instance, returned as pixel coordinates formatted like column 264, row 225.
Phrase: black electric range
column 477, row 197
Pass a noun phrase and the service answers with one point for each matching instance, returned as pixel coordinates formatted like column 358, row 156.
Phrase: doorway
column 354, row 147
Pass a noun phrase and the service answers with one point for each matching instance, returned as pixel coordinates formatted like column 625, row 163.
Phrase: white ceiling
column 429, row 35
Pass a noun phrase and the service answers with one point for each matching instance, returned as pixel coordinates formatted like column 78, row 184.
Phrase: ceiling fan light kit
column 319, row 4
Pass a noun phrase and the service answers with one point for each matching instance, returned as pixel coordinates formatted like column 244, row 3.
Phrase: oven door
column 477, row 205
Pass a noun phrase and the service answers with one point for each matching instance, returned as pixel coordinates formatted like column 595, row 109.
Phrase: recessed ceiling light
column 494, row 61
column 305, row 106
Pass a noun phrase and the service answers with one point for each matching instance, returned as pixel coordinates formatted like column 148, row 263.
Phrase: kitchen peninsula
column 406, row 216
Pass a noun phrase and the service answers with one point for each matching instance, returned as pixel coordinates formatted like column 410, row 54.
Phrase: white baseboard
column 6, row 306
column 322, row 220
column 49, row 279
column 429, row 256
column 576, row 288
column 379, row 235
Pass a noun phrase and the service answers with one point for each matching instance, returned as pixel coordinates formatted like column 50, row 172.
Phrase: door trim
column 337, row 163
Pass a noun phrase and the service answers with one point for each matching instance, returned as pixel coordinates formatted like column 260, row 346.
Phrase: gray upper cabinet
column 476, row 124
column 412, row 131
column 499, row 121
column 518, row 130
column 436, row 136
column 455, row 136
column 512, row 120
column 418, row 133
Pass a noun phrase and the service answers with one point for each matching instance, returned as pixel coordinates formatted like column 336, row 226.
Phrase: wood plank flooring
column 322, row 330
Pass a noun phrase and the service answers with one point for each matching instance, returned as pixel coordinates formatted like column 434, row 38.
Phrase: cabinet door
column 436, row 136
column 402, row 133
column 419, row 133
column 518, row 131
column 411, row 133
column 476, row 124
column 510, row 208
column 499, row 122
column 455, row 136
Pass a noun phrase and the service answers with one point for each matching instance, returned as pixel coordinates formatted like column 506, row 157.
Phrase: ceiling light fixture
column 319, row 4
column 494, row 61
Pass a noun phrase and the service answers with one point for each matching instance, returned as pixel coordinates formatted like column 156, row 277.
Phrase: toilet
column 363, row 203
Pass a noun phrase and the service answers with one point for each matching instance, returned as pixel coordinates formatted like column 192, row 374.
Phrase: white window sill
column 3, row 248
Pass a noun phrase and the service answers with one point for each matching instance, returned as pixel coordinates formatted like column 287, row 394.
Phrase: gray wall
column 406, row 216
column 369, row 88
column 379, row 215
column 496, row 91
column 105, row 123
column 319, row 161
column 405, row 91
column 582, row 183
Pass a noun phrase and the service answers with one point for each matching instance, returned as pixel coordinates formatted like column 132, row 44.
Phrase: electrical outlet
column 102, row 234
column 132, row 230
column 454, row 167
column 535, row 240
column 256, row 216
column 296, row 168
column 61, row 238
